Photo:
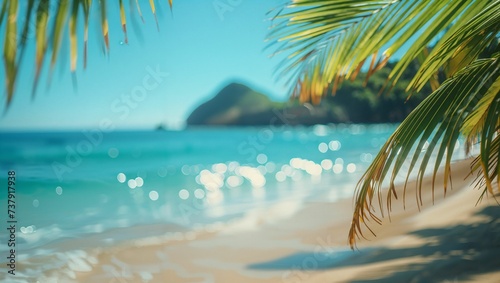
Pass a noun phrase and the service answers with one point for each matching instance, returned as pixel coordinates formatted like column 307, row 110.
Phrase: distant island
column 238, row 105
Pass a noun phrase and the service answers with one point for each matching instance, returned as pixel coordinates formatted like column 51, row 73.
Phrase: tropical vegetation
column 330, row 41
column 356, row 102
column 46, row 20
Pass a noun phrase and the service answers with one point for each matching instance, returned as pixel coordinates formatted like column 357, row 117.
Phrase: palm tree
column 53, row 16
column 328, row 41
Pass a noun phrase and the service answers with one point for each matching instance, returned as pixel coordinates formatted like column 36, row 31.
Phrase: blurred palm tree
column 328, row 41
column 53, row 16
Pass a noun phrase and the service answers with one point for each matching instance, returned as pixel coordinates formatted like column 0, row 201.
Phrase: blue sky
column 201, row 48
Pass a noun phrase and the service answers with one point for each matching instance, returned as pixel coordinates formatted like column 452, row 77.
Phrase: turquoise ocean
column 96, row 189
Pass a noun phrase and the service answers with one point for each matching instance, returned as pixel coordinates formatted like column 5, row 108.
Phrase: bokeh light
column 121, row 177
column 113, row 152
column 184, row 194
column 262, row 158
column 199, row 193
column 132, row 183
column 351, row 168
column 334, row 145
column 323, row 147
column 153, row 195
column 139, row 182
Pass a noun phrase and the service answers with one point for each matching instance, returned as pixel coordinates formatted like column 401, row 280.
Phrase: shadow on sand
column 450, row 254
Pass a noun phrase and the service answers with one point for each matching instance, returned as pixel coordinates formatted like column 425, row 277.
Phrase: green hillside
column 355, row 102
column 231, row 103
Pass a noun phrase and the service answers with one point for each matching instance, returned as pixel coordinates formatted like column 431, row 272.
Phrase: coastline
column 450, row 241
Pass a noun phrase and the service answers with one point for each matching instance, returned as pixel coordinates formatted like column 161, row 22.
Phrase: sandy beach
column 223, row 141
column 451, row 241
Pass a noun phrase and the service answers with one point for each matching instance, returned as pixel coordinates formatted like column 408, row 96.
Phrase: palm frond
column 123, row 18
column 3, row 10
column 10, row 48
column 437, row 122
column 492, row 168
column 53, row 20
column 341, row 35
column 57, row 30
column 25, row 30
column 139, row 10
column 72, row 35
column 473, row 125
column 463, row 42
column 153, row 9
column 489, row 143
column 104, row 24
column 329, row 41
column 86, row 13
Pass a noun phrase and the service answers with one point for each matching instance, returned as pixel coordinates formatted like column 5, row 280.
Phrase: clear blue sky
column 200, row 48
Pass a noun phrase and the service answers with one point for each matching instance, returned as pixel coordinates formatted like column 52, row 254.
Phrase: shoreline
column 309, row 244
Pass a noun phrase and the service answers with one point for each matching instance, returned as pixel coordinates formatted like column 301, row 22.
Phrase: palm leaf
column 439, row 118
column 473, row 125
column 27, row 22
column 467, row 40
column 86, row 13
column 10, row 47
column 104, row 24
column 358, row 29
column 153, row 9
column 66, row 13
column 489, row 132
column 3, row 11
column 328, row 41
column 41, row 39
column 123, row 19
column 72, row 35
column 57, row 31
column 492, row 169
column 139, row 10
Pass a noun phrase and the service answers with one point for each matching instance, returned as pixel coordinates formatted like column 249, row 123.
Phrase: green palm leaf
column 340, row 35
column 123, row 18
column 72, row 35
column 66, row 13
column 467, row 40
column 473, row 125
column 437, row 122
column 329, row 41
column 57, row 30
column 86, row 13
column 10, row 47
column 41, row 39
